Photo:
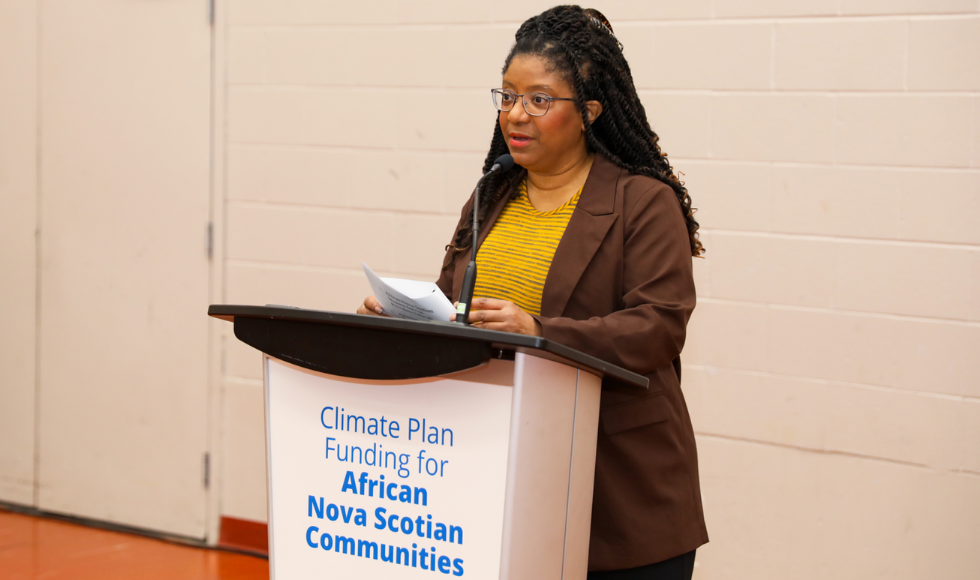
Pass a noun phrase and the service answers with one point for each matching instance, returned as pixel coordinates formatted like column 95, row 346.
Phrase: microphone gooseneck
column 501, row 165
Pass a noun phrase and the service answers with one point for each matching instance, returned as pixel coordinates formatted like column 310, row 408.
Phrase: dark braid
column 581, row 47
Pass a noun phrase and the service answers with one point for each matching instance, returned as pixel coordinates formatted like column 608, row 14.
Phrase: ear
column 592, row 109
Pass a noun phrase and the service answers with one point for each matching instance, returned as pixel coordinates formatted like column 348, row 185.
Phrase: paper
column 410, row 299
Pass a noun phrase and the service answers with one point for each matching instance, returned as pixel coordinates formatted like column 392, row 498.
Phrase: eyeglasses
column 536, row 104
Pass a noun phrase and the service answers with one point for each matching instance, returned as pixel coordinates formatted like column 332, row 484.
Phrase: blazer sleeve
column 445, row 280
column 658, row 293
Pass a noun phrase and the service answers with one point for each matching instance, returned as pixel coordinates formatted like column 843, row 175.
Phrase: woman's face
column 553, row 142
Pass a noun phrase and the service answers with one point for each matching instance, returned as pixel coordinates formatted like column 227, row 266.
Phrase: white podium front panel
column 378, row 479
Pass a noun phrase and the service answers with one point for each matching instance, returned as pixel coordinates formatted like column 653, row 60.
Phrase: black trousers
column 677, row 568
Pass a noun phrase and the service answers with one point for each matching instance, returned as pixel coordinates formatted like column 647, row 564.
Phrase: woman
column 587, row 241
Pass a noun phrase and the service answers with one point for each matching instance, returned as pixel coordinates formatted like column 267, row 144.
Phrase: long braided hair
column 580, row 46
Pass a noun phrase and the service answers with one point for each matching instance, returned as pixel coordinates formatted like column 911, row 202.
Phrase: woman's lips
column 519, row 140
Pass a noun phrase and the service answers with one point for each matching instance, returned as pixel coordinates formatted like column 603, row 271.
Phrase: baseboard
column 103, row 525
column 248, row 535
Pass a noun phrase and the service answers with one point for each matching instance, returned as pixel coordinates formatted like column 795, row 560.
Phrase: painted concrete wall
column 18, row 221
column 833, row 148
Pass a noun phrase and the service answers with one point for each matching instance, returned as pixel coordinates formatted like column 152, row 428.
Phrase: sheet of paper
column 410, row 299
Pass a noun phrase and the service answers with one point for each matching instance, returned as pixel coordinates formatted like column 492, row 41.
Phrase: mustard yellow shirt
column 516, row 255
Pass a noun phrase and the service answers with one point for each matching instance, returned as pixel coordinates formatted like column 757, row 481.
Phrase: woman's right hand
column 371, row 306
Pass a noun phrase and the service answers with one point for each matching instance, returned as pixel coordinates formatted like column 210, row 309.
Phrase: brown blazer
column 621, row 288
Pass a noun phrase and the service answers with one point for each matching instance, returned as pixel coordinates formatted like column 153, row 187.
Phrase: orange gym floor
column 37, row 547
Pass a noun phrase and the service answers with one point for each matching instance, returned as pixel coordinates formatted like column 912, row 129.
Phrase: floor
column 43, row 548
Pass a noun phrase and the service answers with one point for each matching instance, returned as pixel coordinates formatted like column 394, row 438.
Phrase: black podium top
column 377, row 347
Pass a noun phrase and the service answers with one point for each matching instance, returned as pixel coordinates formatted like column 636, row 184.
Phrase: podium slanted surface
column 403, row 449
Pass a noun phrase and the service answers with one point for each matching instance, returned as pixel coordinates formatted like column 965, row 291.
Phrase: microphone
column 501, row 165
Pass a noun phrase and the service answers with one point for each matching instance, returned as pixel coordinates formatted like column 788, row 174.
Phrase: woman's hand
column 494, row 314
column 371, row 306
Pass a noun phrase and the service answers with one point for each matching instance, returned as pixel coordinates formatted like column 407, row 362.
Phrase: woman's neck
column 551, row 190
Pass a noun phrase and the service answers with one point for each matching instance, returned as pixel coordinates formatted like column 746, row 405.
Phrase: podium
column 404, row 449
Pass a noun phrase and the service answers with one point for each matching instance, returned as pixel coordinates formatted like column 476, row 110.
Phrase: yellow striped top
column 516, row 255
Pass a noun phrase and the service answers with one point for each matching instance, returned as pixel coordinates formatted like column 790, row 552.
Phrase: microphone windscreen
column 505, row 162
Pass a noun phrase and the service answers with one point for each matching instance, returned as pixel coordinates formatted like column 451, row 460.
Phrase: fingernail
column 377, row 309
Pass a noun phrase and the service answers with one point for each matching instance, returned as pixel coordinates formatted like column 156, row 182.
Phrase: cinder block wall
column 833, row 148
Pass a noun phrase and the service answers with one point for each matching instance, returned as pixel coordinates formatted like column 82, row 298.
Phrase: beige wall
column 18, row 250
column 832, row 148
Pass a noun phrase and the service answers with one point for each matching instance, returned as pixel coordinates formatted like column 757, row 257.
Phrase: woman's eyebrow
column 531, row 88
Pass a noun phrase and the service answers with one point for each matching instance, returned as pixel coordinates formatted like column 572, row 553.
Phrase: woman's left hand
column 494, row 314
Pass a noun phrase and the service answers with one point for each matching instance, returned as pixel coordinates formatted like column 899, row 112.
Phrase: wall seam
column 253, row 87
column 816, row 164
column 905, row 55
column 846, row 239
column 824, row 310
column 37, row 258
column 968, row 399
column 772, row 55
column 336, row 210
column 756, row 92
column 312, row 269
column 511, row 25
column 975, row 132
column 836, row 453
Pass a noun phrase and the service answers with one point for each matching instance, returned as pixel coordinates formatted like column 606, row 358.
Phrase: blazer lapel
column 462, row 260
column 587, row 228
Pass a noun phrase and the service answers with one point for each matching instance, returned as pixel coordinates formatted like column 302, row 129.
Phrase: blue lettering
column 364, row 549
column 315, row 507
column 458, row 565
column 444, row 564
column 349, row 484
column 345, row 542
column 321, row 417
column 357, row 421
column 411, row 526
column 403, row 460
column 413, row 429
column 380, row 514
column 452, row 534
column 310, row 531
